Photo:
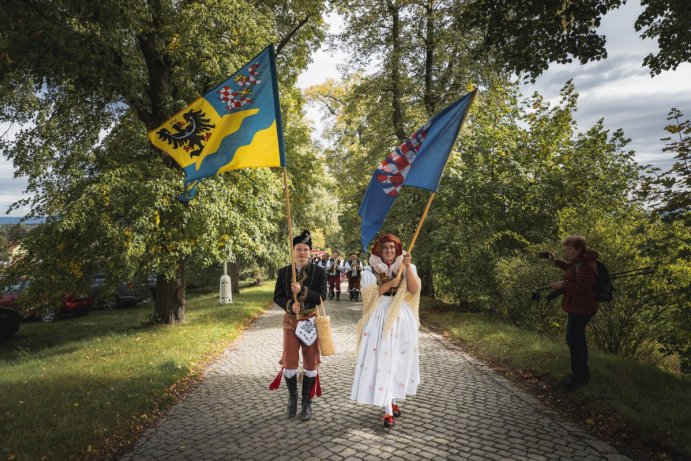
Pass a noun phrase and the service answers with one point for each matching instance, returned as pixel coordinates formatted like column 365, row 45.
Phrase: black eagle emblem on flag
column 191, row 135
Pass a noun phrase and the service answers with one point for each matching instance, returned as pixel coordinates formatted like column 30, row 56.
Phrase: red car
column 71, row 305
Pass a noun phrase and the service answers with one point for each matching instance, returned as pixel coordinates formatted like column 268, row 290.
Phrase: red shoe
column 388, row 421
column 396, row 410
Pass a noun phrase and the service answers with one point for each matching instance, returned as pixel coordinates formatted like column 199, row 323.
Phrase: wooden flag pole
column 417, row 232
column 290, row 236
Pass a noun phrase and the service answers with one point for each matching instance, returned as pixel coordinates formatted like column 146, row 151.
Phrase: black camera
column 550, row 297
column 554, row 295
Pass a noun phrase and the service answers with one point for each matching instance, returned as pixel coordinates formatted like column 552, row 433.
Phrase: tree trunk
column 396, row 72
column 170, row 298
column 234, row 274
column 430, row 39
column 426, row 280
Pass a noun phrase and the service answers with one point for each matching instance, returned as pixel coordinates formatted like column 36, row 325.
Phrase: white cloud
column 620, row 90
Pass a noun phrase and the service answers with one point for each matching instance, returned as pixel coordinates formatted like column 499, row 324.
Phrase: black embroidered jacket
column 312, row 278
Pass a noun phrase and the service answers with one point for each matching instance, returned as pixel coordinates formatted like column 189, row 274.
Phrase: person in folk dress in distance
column 387, row 367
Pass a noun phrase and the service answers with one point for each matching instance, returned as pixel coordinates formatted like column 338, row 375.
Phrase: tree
column 670, row 22
column 17, row 233
column 524, row 37
column 86, row 81
column 670, row 191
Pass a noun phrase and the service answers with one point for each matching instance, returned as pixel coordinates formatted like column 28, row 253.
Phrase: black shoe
column 331, row 295
column 307, row 384
column 292, row 384
column 338, row 296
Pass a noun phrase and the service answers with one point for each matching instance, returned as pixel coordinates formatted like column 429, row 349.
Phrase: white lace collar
column 380, row 267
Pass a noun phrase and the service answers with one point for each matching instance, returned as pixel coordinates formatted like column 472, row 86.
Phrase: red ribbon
column 276, row 383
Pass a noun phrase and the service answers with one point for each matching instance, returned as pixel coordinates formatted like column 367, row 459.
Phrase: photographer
column 578, row 301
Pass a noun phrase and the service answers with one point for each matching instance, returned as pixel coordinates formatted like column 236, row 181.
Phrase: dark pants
column 575, row 339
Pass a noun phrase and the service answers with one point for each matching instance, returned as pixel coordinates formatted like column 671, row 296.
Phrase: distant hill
column 16, row 219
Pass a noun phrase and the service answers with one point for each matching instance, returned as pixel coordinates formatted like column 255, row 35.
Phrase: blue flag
column 418, row 162
column 235, row 125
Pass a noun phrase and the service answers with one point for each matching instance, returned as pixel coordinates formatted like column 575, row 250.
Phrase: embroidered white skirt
column 388, row 367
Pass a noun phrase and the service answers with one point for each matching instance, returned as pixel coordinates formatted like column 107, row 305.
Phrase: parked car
column 70, row 305
column 9, row 322
column 126, row 293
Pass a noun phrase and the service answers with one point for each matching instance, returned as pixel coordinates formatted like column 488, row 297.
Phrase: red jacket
column 579, row 284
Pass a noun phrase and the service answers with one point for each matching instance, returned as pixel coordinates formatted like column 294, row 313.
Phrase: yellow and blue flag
column 235, row 125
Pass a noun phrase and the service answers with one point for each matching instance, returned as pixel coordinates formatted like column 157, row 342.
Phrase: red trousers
column 292, row 346
column 334, row 283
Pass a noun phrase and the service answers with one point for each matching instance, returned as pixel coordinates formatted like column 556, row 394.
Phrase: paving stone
column 463, row 410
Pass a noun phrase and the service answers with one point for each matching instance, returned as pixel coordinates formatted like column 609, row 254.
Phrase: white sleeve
column 368, row 278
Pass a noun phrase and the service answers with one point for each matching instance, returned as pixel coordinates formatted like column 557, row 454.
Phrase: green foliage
column 670, row 191
column 670, row 22
column 525, row 37
column 85, row 81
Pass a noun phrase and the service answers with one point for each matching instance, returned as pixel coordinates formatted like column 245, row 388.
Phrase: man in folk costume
column 300, row 301
column 334, row 271
column 323, row 261
column 388, row 358
column 353, row 269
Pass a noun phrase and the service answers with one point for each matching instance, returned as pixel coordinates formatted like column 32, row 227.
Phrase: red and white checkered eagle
column 394, row 168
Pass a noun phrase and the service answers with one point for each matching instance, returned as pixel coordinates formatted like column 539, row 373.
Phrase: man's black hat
column 305, row 238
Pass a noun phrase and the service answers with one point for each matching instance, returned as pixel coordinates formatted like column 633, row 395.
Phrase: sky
column 618, row 89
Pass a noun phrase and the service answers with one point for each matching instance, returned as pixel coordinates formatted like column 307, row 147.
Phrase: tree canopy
column 84, row 81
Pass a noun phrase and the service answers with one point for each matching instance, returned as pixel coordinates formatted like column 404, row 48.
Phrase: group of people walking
column 336, row 268
column 387, row 366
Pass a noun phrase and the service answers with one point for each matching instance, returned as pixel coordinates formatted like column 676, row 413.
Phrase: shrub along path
column 463, row 410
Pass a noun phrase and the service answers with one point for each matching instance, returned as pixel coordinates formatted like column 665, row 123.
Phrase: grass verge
column 82, row 388
column 634, row 405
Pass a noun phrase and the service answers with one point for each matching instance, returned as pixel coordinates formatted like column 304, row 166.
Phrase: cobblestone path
column 463, row 410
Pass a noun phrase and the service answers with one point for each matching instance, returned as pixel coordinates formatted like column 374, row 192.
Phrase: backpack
column 604, row 290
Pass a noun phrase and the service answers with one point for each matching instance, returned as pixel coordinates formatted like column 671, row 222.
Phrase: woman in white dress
column 387, row 367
